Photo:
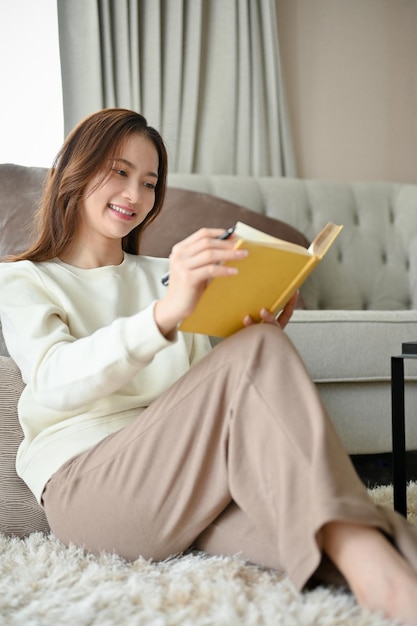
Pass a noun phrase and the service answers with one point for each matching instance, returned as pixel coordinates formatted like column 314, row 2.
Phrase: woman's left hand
column 282, row 319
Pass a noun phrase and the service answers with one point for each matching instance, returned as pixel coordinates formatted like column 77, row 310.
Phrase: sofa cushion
column 20, row 514
column 370, row 338
column 348, row 355
column 186, row 211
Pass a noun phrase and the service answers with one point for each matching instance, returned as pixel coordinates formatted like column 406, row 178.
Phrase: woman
column 139, row 439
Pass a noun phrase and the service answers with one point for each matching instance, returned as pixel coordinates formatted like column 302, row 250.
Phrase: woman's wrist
column 165, row 319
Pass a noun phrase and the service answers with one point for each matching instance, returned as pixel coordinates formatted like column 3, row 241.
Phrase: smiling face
column 117, row 202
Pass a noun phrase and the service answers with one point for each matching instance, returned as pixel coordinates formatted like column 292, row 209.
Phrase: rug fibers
column 43, row 583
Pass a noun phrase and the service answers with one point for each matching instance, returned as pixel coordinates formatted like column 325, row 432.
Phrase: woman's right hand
column 193, row 262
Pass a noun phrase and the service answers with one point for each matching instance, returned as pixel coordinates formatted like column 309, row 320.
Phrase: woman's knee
column 255, row 334
column 262, row 339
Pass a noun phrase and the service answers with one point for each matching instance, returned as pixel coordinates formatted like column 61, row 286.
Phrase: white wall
column 31, row 115
column 351, row 72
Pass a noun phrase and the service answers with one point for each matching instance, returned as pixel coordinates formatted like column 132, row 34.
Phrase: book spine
column 295, row 284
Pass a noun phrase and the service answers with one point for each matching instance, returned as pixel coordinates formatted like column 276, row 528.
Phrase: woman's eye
column 150, row 185
column 120, row 172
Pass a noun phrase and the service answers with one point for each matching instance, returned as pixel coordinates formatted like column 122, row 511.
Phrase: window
column 31, row 112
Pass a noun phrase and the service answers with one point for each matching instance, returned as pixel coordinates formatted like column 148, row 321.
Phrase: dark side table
column 399, row 478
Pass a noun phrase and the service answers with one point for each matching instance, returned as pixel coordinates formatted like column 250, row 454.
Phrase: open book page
column 248, row 233
column 324, row 239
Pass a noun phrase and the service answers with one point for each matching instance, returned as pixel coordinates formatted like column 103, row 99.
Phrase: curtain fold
column 205, row 73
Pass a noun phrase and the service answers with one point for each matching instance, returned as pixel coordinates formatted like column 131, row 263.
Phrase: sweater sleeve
column 66, row 372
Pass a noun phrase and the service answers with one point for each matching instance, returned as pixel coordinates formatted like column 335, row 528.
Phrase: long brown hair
column 88, row 149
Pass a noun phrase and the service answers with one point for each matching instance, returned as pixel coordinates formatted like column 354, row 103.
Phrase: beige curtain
column 206, row 73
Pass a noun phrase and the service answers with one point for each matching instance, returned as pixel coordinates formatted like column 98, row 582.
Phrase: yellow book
column 273, row 270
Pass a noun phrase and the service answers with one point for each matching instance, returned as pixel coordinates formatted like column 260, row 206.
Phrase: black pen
column 227, row 233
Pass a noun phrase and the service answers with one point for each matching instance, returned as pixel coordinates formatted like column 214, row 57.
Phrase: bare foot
column 380, row 578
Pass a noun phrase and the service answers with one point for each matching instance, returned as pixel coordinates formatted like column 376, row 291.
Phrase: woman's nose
column 132, row 192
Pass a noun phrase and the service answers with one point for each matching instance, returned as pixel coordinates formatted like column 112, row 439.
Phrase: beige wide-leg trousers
column 238, row 456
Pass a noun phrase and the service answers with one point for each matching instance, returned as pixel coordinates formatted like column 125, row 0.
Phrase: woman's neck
column 86, row 257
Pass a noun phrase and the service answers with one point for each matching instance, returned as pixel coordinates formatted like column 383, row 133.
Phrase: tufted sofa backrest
column 373, row 263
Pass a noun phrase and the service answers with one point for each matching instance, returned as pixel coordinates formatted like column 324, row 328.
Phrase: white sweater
column 90, row 353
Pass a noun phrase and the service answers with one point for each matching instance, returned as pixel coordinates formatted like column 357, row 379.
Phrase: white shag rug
column 43, row 583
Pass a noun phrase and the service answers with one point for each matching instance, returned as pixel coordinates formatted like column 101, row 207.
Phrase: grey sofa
column 360, row 302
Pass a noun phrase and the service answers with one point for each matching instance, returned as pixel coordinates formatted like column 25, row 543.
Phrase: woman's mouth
column 123, row 213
